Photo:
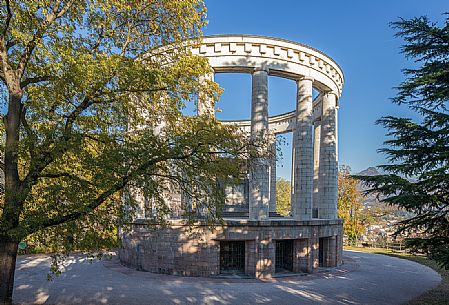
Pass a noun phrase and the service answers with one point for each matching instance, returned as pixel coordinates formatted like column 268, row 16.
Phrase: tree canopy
column 417, row 177
column 350, row 205
column 283, row 196
column 87, row 86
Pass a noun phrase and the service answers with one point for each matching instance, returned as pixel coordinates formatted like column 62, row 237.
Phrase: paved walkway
column 363, row 279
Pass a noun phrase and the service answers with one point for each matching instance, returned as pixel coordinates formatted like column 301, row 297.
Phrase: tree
column 283, row 196
column 350, row 205
column 87, row 84
column 417, row 176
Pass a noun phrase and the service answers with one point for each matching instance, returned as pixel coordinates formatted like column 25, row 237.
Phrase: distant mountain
column 373, row 201
column 369, row 200
column 370, row 171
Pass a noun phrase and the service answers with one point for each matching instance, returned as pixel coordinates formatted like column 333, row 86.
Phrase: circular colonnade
column 260, row 245
column 313, row 122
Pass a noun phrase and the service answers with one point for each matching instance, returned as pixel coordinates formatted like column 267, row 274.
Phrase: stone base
column 180, row 249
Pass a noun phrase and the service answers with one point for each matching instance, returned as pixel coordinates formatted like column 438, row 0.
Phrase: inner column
column 328, row 167
column 303, row 152
column 259, row 178
column 316, row 165
column 206, row 103
column 273, row 175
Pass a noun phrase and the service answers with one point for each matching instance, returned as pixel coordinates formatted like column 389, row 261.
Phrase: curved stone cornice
column 283, row 58
column 278, row 124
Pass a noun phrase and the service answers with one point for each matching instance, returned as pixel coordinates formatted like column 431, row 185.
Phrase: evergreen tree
column 417, row 176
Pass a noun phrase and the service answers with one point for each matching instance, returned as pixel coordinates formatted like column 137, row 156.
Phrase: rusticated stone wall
column 195, row 251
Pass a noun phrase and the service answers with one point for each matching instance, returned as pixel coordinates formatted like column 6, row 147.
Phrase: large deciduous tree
column 417, row 178
column 87, row 86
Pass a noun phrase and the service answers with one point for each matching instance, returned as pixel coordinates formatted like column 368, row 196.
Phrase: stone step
column 276, row 214
column 239, row 214
column 235, row 214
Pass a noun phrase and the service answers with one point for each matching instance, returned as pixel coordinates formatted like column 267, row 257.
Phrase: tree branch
column 66, row 175
column 49, row 19
column 8, row 19
column 60, row 219
column 140, row 90
column 34, row 80
column 28, row 130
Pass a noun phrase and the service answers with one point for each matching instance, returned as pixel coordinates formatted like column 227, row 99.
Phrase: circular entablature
column 282, row 58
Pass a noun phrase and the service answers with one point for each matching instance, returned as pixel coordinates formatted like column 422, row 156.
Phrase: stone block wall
column 179, row 249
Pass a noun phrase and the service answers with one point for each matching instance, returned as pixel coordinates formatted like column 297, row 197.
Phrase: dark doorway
column 284, row 255
column 232, row 257
column 321, row 252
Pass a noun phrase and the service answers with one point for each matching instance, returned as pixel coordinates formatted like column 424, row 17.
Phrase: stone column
column 265, row 257
column 205, row 103
column 301, row 256
column 331, row 255
column 259, row 192
column 206, row 107
column 316, row 165
column 303, row 152
column 273, row 176
column 328, row 167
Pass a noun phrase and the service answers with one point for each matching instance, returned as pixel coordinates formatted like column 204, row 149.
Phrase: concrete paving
column 363, row 279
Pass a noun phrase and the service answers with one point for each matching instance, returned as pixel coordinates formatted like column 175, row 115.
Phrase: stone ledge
column 245, row 222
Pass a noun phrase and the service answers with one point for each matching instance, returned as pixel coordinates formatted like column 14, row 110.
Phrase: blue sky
column 356, row 34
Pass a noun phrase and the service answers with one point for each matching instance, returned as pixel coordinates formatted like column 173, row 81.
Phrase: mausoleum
column 253, row 239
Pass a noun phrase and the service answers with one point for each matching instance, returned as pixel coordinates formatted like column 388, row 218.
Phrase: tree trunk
column 13, row 203
column 8, row 255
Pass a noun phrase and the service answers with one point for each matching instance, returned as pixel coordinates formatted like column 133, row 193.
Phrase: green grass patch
column 436, row 296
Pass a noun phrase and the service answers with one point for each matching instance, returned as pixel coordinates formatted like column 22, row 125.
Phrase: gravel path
column 363, row 279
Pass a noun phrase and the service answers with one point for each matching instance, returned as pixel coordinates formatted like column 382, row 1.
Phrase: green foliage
column 418, row 173
column 350, row 207
column 283, row 196
column 88, row 83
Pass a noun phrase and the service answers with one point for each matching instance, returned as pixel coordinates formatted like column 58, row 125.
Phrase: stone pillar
column 265, row 258
column 303, row 152
column 259, row 192
column 206, row 107
column 328, row 167
column 251, row 256
column 206, row 103
column 137, row 195
column 316, row 165
column 339, row 246
column 331, row 255
column 301, row 256
column 314, row 245
column 273, row 176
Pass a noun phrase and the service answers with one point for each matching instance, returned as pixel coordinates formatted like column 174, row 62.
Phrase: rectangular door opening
column 321, row 252
column 232, row 257
column 284, row 255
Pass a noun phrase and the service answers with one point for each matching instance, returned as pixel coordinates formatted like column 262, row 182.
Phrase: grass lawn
column 439, row 295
